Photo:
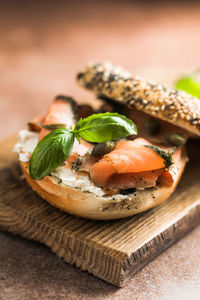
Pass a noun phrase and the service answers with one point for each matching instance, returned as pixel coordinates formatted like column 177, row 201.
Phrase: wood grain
column 111, row 250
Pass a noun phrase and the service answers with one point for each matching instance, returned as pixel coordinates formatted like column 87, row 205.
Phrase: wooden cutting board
column 111, row 250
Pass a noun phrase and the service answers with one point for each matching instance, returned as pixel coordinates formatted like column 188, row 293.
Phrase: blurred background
column 43, row 44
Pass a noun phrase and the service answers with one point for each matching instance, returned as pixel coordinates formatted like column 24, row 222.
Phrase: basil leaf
column 104, row 127
column 190, row 84
column 50, row 152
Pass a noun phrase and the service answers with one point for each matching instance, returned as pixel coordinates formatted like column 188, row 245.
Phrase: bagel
column 113, row 82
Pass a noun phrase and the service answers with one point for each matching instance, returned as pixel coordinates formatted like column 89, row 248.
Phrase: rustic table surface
column 41, row 49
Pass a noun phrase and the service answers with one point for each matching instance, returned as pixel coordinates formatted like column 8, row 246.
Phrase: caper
column 176, row 139
column 151, row 126
column 103, row 148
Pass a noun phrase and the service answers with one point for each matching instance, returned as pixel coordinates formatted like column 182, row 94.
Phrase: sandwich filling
column 123, row 166
column 120, row 172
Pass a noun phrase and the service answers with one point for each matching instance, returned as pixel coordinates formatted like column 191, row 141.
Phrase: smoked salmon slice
column 127, row 157
column 140, row 180
column 63, row 111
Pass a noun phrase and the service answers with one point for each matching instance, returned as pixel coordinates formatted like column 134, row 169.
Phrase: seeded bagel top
column 166, row 103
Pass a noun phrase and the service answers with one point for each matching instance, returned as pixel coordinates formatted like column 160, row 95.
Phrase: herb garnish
column 56, row 146
column 190, row 83
column 167, row 156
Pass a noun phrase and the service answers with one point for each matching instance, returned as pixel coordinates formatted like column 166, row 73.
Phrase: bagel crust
column 110, row 81
column 90, row 206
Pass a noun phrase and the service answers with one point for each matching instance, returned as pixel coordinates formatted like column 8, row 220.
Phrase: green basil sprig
column 50, row 152
column 56, row 146
column 190, row 84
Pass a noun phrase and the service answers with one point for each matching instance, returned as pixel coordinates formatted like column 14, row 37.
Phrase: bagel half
column 111, row 81
column 91, row 206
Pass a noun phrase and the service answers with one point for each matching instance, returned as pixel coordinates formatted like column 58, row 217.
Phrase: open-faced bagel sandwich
column 101, row 167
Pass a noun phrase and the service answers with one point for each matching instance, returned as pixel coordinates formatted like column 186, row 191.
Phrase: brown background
column 42, row 46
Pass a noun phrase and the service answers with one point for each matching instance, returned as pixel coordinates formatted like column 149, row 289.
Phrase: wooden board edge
column 137, row 260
